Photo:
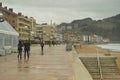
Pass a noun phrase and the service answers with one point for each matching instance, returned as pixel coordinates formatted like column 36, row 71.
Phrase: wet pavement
column 55, row 64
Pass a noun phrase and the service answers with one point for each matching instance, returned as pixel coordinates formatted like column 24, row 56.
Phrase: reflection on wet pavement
column 53, row 65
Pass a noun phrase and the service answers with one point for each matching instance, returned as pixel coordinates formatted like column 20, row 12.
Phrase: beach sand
column 93, row 49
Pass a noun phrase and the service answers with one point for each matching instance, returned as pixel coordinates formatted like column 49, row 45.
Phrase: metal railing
column 99, row 65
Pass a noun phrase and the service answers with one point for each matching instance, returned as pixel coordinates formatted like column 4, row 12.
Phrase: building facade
column 45, row 32
column 22, row 24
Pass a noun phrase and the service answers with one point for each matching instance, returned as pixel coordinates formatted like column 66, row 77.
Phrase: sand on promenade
column 92, row 49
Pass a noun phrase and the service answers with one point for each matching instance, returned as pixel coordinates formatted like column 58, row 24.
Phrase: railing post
column 99, row 65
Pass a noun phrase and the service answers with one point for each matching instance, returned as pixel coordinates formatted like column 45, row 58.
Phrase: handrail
column 99, row 65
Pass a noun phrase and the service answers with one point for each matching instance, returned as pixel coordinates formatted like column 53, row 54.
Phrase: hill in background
column 108, row 27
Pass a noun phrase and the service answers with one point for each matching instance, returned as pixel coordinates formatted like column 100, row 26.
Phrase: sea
column 110, row 46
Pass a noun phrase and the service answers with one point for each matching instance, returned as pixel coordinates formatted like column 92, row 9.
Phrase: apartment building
column 22, row 24
column 45, row 32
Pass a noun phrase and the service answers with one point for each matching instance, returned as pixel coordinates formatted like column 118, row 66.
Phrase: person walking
column 42, row 47
column 26, row 49
column 20, row 45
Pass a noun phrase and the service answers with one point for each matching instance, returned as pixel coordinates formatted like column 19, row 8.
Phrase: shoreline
column 90, row 48
column 109, row 47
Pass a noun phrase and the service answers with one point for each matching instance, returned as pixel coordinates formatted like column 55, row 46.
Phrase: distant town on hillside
column 107, row 27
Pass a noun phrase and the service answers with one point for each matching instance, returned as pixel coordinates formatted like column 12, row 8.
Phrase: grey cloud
column 61, row 10
column 92, row 5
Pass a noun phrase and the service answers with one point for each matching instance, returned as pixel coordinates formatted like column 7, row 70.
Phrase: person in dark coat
column 42, row 47
column 20, row 45
column 26, row 49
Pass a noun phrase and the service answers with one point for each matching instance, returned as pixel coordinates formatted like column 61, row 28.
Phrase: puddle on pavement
column 23, row 66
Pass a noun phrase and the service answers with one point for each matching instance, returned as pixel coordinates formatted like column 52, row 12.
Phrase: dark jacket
column 42, row 44
column 20, row 45
column 26, row 46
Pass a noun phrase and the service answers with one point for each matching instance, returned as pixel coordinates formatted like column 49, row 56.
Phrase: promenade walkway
column 55, row 64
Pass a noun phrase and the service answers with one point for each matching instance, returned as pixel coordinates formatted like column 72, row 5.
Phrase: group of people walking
column 26, row 46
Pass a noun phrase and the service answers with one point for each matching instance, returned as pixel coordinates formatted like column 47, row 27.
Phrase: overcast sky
column 64, row 10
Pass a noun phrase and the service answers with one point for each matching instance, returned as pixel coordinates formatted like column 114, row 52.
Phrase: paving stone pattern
column 55, row 64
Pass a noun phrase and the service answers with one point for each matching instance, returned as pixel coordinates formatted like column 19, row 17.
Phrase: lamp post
column 29, row 34
column 29, row 37
column 32, row 35
column 44, row 35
